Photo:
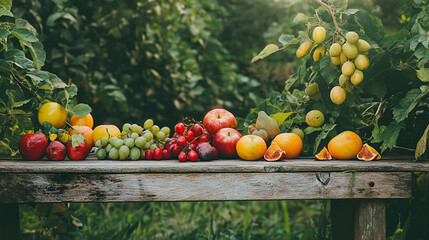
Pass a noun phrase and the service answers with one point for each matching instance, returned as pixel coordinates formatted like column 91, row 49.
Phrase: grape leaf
column 421, row 145
column 4, row 11
column 24, row 34
column 407, row 104
column 287, row 39
column 281, row 117
column 328, row 71
column 267, row 51
column 77, row 139
column 423, row 74
column 6, row 4
column 388, row 135
column 81, row 110
column 327, row 128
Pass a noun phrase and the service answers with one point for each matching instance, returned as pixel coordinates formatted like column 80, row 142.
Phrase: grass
column 304, row 219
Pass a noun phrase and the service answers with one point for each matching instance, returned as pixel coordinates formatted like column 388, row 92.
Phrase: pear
column 267, row 123
column 261, row 133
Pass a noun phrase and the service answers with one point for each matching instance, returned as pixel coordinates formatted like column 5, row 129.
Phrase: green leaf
column 71, row 90
column 4, row 33
column 421, row 145
column 371, row 25
column 18, row 58
column 407, row 104
column 56, row 81
column 6, row 4
column 287, row 39
column 5, row 12
column 310, row 130
column 327, row 128
column 22, row 23
column 4, row 66
column 38, row 53
column 281, row 117
column 267, row 51
column 25, row 34
column 351, row 11
column 388, row 135
column 81, row 110
column 423, row 74
column 300, row 17
column 328, row 71
column 299, row 76
column 77, row 139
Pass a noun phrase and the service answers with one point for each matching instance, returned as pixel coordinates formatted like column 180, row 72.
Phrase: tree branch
column 331, row 11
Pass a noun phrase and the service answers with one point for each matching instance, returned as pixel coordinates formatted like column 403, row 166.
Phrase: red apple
column 56, row 151
column 217, row 119
column 78, row 153
column 33, row 146
column 225, row 140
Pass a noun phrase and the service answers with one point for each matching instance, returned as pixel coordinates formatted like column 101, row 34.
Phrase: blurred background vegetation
column 165, row 60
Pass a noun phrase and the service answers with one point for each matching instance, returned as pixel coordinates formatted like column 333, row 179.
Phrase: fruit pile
column 215, row 135
column 135, row 143
column 349, row 53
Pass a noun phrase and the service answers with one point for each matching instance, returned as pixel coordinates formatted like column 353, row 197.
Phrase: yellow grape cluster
column 351, row 56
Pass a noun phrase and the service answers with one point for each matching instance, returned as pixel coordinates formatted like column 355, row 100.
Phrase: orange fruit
column 53, row 113
column 290, row 143
column 323, row 155
column 251, row 147
column 345, row 145
column 274, row 153
column 105, row 131
column 86, row 120
column 85, row 131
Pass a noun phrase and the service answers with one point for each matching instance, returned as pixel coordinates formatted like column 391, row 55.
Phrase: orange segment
column 323, row 155
column 368, row 153
column 274, row 153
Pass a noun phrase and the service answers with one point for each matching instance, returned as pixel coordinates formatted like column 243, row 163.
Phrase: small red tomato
column 193, row 156
column 179, row 128
column 157, row 153
column 181, row 141
column 182, row 157
column 148, row 155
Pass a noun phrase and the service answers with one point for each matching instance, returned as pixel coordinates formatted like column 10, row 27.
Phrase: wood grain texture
column 370, row 220
column 393, row 164
column 199, row 186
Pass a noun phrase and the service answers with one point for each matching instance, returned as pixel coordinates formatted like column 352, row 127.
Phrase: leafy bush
column 387, row 108
column 158, row 59
column 23, row 85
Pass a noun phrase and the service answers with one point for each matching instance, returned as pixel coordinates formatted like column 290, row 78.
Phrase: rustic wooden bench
column 358, row 189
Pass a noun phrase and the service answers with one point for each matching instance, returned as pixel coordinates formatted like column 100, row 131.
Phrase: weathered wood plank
column 9, row 221
column 342, row 218
column 200, row 186
column 370, row 220
column 217, row 166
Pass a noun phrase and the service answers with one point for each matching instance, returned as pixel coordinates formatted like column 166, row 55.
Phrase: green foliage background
column 166, row 59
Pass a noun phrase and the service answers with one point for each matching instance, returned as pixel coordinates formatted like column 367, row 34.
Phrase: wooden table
column 357, row 210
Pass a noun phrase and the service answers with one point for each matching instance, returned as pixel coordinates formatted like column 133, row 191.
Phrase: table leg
column 342, row 219
column 9, row 221
column 370, row 220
